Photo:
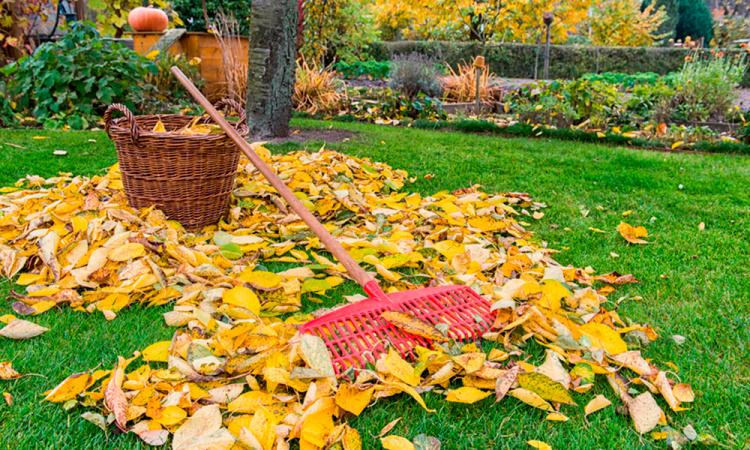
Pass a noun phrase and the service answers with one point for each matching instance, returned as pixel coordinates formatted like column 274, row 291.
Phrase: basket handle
column 134, row 130
column 236, row 106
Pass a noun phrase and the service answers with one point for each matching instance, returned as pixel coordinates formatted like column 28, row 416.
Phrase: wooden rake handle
column 358, row 273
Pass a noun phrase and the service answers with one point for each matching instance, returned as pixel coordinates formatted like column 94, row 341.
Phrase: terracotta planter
column 202, row 45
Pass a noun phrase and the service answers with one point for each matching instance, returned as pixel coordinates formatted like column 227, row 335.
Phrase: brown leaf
column 413, row 325
column 505, row 382
column 616, row 279
column 114, row 397
column 388, row 427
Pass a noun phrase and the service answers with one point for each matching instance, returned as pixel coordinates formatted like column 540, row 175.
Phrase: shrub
column 461, row 86
column 544, row 103
column 595, row 101
column 695, row 21
column 191, row 11
column 646, row 97
column 336, row 30
column 162, row 93
column 413, row 74
column 512, row 60
column 704, row 88
column 375, row 70
column 392, row 106
column 317, row 89
column 630, row 80
column 72, row 81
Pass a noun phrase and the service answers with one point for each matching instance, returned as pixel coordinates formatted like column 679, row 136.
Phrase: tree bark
column 271, row 66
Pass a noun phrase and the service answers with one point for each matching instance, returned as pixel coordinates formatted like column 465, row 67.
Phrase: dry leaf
column 413, row 325
column 597, row 403
column 21, row 329
column 632, row 234
column 645, row 413
column 466, row 395
column 539, row 444
column 396, row 443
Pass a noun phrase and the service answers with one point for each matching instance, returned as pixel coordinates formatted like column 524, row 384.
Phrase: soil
column 301, row 136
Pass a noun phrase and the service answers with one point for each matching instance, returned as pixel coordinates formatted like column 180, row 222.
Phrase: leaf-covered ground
column 692, row 282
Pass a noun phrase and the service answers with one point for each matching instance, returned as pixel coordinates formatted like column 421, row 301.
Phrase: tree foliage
column 336, row 30
column 695, row 21
column 191, row 11
column 621, row 22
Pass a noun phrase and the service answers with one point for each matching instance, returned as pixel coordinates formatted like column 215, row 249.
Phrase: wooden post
column 548, row 22
column 478, row 68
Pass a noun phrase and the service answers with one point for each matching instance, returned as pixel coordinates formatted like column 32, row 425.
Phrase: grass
column 694, row 283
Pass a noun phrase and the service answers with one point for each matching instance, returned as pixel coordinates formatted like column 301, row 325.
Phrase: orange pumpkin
column 148, row 19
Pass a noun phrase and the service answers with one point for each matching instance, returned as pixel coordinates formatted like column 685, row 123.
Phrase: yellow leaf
column 317, row 427
column 466, row 395
column 449, row 249
column 556, row 417
column 7, row 318
column 539, row 445
column 470, row 362
column 127, row 251
column 351, row 439
column 545, row 387
column 683, row 393
column 69, row 388
column 677, row 144
column 487, row 223
column 598, row 403
column 353, row 399
column 400, row 368
column 171, row 415
column 531, row 398
column 158, row 352
column 604, row 337
column 632, row 234
column 242, row 297
column 261, row 279
column 159, row 127
column 413, row 325
column 396, row 443
column 7, row 372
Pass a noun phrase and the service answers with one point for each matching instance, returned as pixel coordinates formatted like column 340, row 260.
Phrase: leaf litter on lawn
column 236, row 373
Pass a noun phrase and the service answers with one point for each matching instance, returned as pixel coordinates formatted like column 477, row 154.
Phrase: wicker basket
column 189, row 177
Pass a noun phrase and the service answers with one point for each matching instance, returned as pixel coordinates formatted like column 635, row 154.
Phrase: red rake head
column 357, row 334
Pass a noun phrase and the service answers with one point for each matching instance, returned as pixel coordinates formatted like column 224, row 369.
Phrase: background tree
column 621, row 22
column 337, row 30
column 672, row 10
column 695, row 21
column 272, row 63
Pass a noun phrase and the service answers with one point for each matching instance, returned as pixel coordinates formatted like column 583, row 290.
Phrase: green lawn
column 694, row 283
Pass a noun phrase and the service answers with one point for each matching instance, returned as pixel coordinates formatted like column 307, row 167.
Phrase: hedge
column 513, row 60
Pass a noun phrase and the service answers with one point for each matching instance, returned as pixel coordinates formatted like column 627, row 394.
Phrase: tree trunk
column 270, row 79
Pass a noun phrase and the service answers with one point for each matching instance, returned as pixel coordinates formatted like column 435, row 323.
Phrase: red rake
column 357, row 334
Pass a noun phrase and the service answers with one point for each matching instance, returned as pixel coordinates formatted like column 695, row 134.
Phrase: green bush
column 162, row 92
column 645, row 98
column 397, row 106
column 704, row 88
column 695, row 21
column 630, row 80
column 565, row 103
column 376, row 70
column 191, row 12
column 71, row 82
column 513, row 60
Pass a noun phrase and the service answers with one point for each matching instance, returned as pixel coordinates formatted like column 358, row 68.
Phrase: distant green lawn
column 694, row 283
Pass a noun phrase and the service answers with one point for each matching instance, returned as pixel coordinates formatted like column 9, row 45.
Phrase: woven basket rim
column 115, row 128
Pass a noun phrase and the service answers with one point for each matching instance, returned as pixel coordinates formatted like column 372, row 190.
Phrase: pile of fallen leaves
column 237, row 374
